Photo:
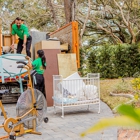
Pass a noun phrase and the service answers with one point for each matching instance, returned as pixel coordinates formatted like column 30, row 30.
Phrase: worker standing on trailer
column 39, row 65
column 25, row 39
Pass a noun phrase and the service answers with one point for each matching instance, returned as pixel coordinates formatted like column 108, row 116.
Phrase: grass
column 116, row 86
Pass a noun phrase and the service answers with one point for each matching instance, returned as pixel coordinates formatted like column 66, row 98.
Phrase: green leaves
column 129, row 111
column 115, row 61
column 130, row 118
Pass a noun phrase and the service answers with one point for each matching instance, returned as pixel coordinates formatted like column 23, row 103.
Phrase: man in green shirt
column 24, row 37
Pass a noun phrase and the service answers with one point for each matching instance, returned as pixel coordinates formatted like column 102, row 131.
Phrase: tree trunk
column 68, row 10
column 53, row 14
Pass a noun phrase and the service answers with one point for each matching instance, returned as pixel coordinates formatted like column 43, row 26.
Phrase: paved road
column 76, row 120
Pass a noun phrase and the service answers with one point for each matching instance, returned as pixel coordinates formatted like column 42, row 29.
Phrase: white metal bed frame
column 77, row 91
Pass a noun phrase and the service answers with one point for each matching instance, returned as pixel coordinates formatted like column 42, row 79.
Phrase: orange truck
column 69, row 34
column 0, row 37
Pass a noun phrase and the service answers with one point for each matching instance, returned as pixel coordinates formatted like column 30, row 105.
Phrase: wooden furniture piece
column 51, row 69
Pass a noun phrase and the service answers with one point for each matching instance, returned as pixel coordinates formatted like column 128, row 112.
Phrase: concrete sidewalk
column 76, row 120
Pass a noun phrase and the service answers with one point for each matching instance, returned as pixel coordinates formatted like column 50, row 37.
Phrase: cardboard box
column 64, row 47
column 44, row 44
column 67, row 64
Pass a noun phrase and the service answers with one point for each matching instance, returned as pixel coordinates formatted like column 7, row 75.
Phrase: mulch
column 128, row 134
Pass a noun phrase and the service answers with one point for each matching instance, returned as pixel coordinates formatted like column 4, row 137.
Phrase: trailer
column 12, row 82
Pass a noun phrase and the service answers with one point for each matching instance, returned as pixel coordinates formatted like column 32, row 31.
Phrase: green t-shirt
column 37, row 63
column 23, row 30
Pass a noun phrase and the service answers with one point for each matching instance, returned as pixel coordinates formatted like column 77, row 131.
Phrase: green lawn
column 115, row 86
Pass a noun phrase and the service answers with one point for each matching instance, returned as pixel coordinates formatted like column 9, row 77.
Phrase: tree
column 68, row 10
column 112, row 20
column 42, row 15
column 100, row 21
